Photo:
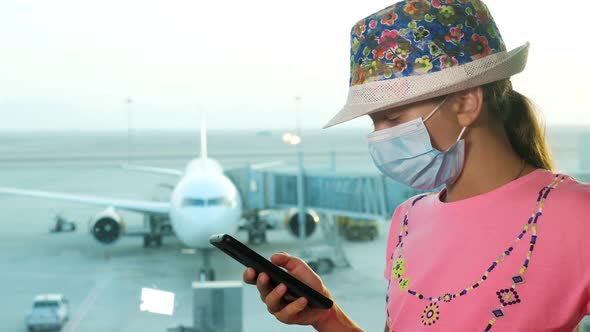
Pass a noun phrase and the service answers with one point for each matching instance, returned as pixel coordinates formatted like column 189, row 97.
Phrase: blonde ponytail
column 521, row 123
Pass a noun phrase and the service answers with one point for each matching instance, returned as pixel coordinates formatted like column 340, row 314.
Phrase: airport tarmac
column 103, row 283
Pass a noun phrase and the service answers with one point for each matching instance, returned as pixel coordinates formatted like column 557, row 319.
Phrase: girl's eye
column 393, row 118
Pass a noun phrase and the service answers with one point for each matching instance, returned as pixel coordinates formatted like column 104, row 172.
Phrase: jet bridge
column 360, row 195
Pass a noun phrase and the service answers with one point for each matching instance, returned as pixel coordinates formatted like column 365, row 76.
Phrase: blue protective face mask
column 405, row 154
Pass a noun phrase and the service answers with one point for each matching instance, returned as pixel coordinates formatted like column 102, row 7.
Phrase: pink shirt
column 453, row 254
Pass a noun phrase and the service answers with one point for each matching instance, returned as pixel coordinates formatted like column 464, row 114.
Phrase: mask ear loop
column 436, row 109
column 461, row 134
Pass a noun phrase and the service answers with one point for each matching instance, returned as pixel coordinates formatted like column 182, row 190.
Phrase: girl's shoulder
column 561, row 189
column 570, row 202
column 403, row 207
column 573, row 190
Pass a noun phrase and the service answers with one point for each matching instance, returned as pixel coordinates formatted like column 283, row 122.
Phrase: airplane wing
column 149, row 207
column 155, row 170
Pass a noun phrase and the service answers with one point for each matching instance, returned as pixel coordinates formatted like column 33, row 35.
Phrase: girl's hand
column 287, row 309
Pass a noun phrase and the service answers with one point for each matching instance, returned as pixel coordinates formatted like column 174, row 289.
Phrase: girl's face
column 442, row 126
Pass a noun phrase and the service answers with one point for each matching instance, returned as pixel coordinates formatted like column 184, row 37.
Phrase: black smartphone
column 250, row 258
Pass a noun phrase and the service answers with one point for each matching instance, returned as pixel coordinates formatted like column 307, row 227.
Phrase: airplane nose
column 194, row 229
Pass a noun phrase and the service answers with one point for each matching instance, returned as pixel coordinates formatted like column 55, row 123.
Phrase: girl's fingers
column 263, row 285
column 250, row 276
column 274, row 299
column 289, row 313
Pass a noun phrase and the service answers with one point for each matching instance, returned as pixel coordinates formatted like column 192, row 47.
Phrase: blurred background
column 88, row 85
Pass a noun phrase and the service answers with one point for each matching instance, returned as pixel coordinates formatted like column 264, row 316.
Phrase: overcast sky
column 71, row 64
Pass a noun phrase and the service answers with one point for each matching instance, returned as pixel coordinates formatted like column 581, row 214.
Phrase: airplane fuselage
column 204, row 202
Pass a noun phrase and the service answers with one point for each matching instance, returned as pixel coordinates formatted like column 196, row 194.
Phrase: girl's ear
column 468, row 106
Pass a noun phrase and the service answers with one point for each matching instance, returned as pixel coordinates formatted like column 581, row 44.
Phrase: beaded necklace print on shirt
column 507, row 296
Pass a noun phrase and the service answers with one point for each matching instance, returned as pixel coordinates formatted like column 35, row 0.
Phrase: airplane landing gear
column 256, row 229
column 152, row 240
column 206, row 273
column 257, row 234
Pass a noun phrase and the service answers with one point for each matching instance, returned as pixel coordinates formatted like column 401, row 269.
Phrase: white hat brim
column 376, row 96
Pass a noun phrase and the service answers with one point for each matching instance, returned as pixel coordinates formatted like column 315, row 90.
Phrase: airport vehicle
column 357, row 228
column 321, row 259
column 62, row 225
column 49, row 312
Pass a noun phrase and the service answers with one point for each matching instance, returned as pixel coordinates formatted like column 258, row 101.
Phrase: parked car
column 49, row 312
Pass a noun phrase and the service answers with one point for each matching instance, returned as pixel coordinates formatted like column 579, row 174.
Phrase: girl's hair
column 518, row 116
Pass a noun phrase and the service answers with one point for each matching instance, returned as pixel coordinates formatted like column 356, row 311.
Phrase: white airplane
column 204, row 202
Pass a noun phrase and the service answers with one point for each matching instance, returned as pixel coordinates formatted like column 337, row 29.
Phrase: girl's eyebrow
column 387, row 112
column 394, row 111
column 384, row 112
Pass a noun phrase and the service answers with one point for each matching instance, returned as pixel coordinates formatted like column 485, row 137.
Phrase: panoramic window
column 112, row 110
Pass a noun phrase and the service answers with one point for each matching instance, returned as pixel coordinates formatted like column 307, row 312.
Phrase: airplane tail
column 203, row 137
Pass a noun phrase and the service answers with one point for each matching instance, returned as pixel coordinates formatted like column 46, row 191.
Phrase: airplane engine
column 107, row 226
column 311, row 222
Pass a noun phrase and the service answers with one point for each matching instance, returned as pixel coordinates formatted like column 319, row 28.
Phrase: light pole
column 295, row 139
column 300, row 176
column 128, row 103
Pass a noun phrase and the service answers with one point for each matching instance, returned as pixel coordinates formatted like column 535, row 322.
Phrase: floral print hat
column 420, row 49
